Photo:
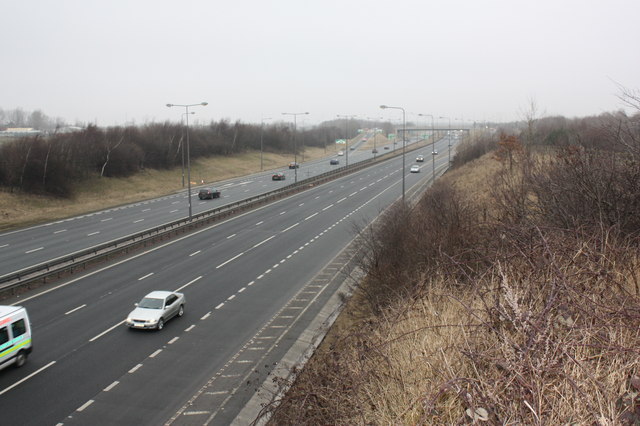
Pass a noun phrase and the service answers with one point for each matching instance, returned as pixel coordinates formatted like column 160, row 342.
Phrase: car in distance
column 374, row 151
column 340, row 153
column 415, row 169
column 294, row 165
column 205, row 193
column 386, row 147
column 155, row 309
column 278, row 176
column 434, row 152
column 420, row 158
column 334, row 161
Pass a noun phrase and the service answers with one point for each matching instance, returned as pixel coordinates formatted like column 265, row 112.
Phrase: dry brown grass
column 19, row 209
column 542, row 329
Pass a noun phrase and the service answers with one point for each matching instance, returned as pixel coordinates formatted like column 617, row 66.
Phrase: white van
column 15, row 336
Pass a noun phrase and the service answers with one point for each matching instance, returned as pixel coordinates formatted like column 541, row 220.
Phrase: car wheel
column 181, row 311
column 21, row 358
column 160, row 325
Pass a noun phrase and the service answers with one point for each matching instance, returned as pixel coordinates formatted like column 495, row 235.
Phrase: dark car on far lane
column 278, row 176
column 205, row 193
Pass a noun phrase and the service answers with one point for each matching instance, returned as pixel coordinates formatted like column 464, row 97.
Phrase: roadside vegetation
column 508, row 294
column 22, row 208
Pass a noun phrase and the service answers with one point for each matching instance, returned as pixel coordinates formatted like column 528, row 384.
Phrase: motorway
column 27, row 247
column 240, row 277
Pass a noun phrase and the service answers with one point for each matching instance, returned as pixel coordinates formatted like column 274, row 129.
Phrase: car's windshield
column 149, row 303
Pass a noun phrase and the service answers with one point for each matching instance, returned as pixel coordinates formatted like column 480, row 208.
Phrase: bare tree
column 109, row 151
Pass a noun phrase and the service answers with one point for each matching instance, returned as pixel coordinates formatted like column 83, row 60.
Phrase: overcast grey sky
column 117, row 61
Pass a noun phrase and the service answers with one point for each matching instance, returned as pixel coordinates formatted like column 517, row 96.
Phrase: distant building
column 18, row 131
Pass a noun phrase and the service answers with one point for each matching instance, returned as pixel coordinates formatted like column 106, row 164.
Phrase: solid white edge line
column 5, row 390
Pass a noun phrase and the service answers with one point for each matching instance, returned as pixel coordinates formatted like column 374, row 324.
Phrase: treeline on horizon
column 51, row 163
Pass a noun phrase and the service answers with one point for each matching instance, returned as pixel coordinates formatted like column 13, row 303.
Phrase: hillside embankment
column 20, row 208
column 510, row 294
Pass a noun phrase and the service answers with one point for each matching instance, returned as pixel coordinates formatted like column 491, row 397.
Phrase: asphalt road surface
column 240, row 277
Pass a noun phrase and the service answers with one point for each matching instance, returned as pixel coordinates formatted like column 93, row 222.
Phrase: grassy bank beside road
column 509, row 294
column 22, row 209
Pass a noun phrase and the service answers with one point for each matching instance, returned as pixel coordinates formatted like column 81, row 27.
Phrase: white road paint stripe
column 111, row 386
column 352, row 194
column 194, row 253
column 309, row 217
column 153, row 355
column 260, row 223
column 145, row 210
column 251, row 283
column 34, row 250
column 5, row 390
column 205, row 316
column 281, row 213
column 220, row 305
column 106, row 331
column 341, row 200
column 60, row 231
column 291, row 227
column 230, row 260
column 173, row 211
column 4, row 245
column 191, row 327
column 263, row 241
column 107, row 219
column 138, row 221
column 85, row 405
column 172, row 341
column 328, row 207
column 93, row 233
column 242, row 289
column 136, row 368
column 75, row 309
column 233, row 296
column 146, row 276
column 231, row 236
column 189, row 283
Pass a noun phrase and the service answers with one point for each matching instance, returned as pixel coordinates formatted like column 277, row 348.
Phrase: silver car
column 155, row 309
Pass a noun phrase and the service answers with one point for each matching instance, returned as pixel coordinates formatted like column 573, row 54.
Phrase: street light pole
column 404, row 136
column 184, row 114
column 186, row 106
column 295, row 146
column 261, row 138
column 375, row 131
column 449, row 137
column 346, row 140
column 433, row 146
